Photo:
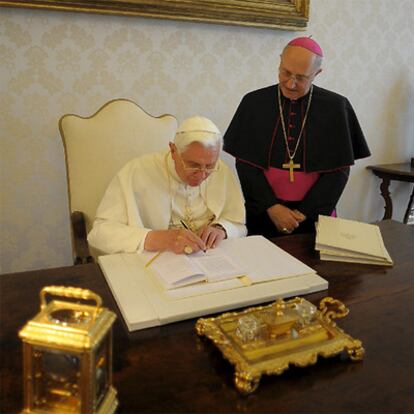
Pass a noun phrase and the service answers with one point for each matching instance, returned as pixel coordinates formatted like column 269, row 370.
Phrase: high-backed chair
column 96, row 148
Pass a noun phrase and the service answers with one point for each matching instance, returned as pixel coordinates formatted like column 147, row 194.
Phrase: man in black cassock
column 294, row 144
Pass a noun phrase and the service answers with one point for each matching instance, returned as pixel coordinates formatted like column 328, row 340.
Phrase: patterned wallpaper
column 52, row 63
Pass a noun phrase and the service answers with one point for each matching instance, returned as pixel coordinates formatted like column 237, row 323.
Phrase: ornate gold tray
column 267, row 339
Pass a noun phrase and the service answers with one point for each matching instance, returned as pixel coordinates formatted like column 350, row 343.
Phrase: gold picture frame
column 274, row 14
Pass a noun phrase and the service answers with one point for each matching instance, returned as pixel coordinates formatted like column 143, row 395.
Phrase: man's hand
column 212, row 236
column 285, row 219
column 175, row 240
column 301, row 216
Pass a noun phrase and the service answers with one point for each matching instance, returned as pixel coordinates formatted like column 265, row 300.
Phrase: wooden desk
column 397, row 172
column 170, row 369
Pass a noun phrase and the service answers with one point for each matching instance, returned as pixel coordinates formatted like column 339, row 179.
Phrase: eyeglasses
column 193, row 167
column 286, row 75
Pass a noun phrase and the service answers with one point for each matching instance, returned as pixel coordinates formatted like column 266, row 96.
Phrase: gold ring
column 188, row 249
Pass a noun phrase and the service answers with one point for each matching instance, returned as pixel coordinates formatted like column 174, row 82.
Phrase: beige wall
column 53, row 63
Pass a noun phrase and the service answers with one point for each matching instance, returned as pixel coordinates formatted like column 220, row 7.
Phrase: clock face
column 57, row 378
column 56, row 384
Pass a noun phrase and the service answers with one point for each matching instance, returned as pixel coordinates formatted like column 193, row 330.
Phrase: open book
column 345, row 240
column 144, row 300
column 177, row 270
column 252, row 259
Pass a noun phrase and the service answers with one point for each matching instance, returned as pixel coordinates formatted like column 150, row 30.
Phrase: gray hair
column 317, row 60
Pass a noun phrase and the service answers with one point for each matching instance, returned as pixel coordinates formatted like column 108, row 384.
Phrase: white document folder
column 144, row 303
column 352, row 241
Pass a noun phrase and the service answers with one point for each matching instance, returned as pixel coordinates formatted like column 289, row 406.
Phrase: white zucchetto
column 196, row 126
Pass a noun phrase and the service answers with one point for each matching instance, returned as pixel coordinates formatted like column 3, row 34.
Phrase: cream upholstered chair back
column 97, row 147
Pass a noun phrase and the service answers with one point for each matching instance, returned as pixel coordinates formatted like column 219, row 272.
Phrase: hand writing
column 212, row 236
column 175, row 240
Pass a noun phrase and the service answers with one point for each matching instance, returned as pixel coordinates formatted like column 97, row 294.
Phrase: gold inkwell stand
column 67, row 354
column 267, row 340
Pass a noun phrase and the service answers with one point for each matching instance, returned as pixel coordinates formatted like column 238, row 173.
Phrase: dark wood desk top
column 396, row 170
column 171, row 369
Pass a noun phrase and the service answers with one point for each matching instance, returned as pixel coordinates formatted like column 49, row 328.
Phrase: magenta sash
column 284, row 189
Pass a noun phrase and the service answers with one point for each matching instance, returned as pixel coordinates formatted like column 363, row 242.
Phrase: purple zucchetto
column 307, row 43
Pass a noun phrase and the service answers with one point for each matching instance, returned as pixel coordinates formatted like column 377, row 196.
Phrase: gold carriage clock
column 67, row 354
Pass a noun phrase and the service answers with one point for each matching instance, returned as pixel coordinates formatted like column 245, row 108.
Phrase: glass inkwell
column 67, row 354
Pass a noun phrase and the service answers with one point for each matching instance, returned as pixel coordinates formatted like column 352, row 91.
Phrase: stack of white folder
column 344, row 240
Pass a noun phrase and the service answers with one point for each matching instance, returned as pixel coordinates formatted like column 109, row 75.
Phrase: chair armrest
column 80, row 243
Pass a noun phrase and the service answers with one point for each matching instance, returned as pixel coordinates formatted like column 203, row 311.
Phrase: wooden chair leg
column 80, row 243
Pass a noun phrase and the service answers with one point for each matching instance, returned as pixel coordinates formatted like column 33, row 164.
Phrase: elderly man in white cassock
column 184, row 199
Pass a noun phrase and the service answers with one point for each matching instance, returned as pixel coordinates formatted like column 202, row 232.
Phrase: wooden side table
column 397, row 172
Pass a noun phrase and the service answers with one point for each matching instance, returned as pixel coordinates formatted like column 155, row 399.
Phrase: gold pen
column 153, row 258
column 187, row 228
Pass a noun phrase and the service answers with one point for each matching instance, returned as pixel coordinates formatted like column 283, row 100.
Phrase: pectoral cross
column 291, row 165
